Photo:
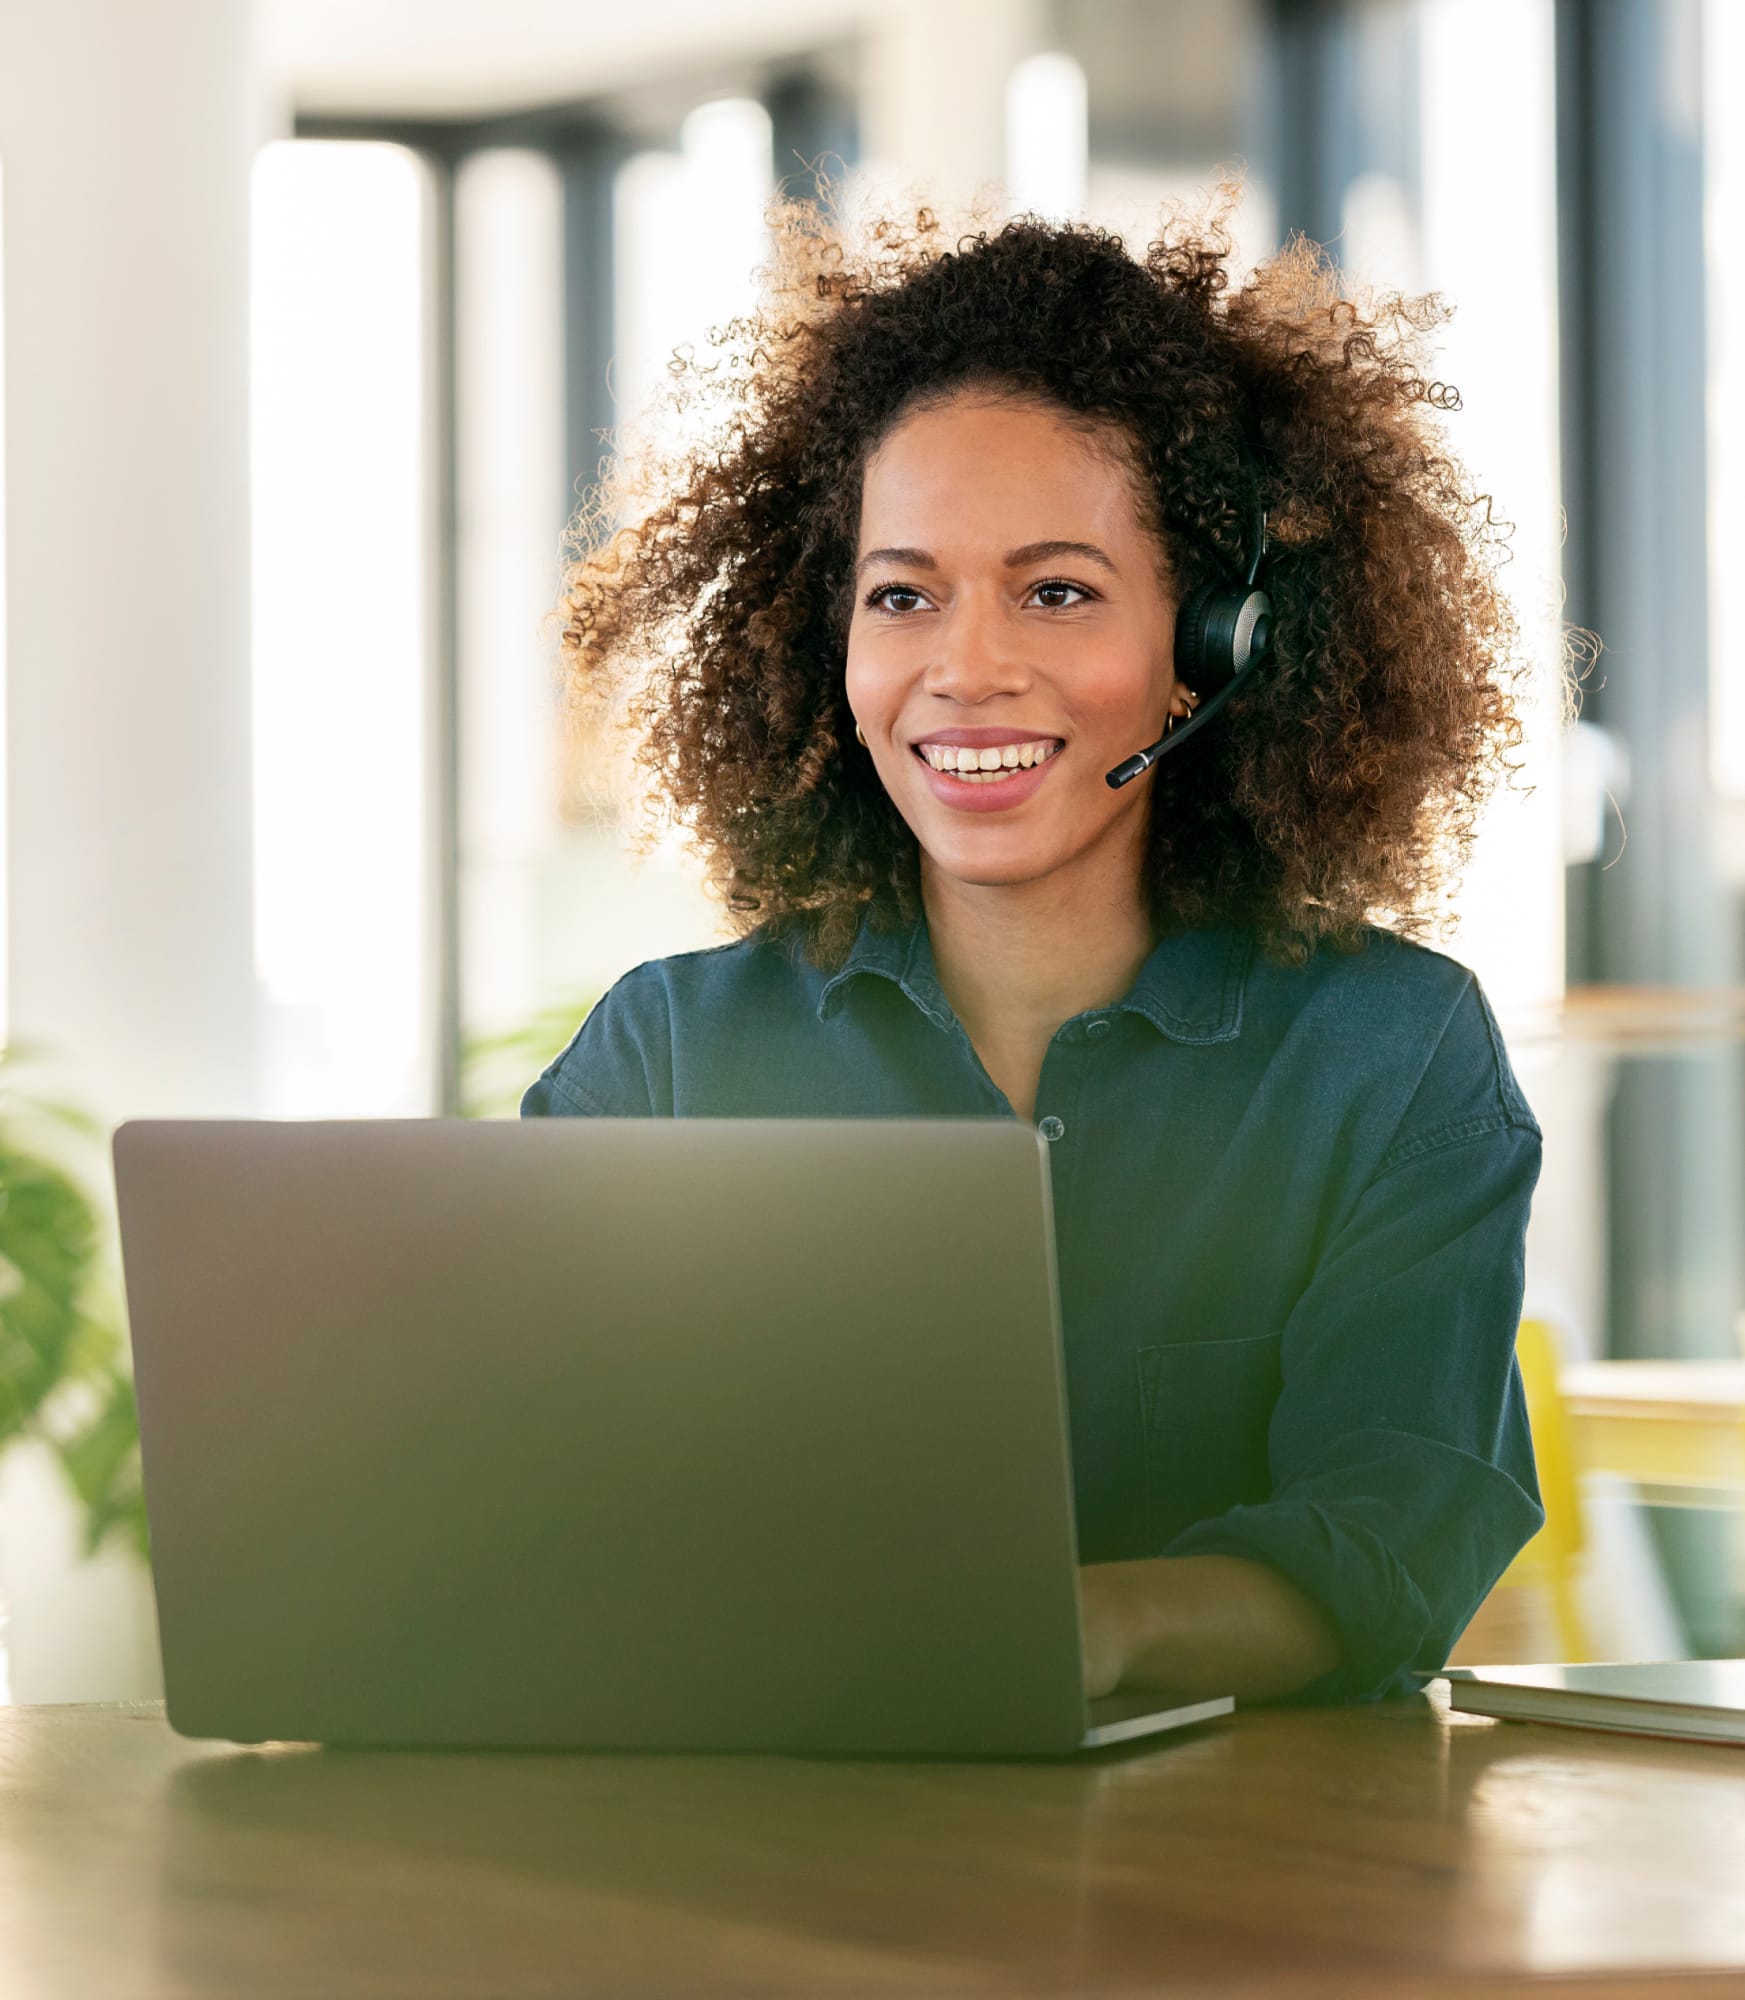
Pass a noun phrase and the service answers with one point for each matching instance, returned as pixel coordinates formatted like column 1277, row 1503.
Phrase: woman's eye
column 879, row 600
column 898, row 598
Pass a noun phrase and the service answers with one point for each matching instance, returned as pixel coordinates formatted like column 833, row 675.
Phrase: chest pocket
column 1204, row 1406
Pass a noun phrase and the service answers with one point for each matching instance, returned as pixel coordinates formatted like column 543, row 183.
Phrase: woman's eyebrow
column 910, row 558
column 1048, row 551
column 1015, row 558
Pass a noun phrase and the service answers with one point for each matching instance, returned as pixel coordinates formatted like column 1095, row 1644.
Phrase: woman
column 951, row 499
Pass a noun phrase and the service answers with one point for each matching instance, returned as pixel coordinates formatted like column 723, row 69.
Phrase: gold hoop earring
column 858, row 737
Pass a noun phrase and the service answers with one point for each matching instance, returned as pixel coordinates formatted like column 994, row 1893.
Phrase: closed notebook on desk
column 1697, row 1698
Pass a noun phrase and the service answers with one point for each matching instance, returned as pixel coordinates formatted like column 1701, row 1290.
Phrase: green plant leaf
column 61, row 1345
column 101, row 1459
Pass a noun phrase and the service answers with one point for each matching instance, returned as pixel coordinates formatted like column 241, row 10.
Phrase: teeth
column 994, row 762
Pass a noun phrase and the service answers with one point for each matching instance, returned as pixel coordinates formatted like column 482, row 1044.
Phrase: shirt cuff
column 1396, row 1538
column 1377, row 1612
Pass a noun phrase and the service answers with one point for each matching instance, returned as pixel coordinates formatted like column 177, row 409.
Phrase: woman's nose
column 977, row 655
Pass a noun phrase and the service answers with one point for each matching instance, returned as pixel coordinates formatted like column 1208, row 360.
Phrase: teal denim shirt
column 1289, row 1203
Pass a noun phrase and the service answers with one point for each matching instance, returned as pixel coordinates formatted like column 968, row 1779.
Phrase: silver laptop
column 703, row 1434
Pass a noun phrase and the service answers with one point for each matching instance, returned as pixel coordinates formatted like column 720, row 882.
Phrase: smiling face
column 1008, row 593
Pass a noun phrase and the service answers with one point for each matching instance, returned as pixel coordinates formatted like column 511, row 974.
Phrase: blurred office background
column 316, row 316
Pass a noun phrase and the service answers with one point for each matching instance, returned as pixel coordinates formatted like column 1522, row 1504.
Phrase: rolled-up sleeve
column 1402, row 1465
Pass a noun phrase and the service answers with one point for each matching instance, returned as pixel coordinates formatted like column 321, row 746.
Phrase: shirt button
column 1097, row 1029
column 1052, row 1128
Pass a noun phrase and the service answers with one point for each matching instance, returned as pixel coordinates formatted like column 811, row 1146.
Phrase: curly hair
column 707, row 605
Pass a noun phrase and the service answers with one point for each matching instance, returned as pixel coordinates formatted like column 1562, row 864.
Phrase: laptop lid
column 700, row 1433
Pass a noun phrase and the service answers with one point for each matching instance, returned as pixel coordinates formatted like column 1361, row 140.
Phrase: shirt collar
column 905, row 957
column 1189, row 988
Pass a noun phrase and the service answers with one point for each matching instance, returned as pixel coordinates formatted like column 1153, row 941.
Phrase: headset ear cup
column 1199, row 665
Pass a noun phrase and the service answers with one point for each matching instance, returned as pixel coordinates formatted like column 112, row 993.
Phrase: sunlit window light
column 1724, row 231
column 1487, row 92
column 510, row 483
column 341, row 714
column 5, row 919
column 689, row 226
column 1047, row 137
column 1378, row 236
column 690, row 234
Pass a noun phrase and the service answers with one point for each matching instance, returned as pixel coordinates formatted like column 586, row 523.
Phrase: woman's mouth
column 978, row 790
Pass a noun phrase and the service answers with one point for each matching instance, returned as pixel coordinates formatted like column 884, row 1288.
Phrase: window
column 343, row 740
column 1723, row 231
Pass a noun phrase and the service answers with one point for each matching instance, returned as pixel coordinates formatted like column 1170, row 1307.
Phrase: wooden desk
column 1392, row 1850
column 1669, row 1425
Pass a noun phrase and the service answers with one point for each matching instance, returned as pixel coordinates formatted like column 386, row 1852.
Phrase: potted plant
column 63, row 1378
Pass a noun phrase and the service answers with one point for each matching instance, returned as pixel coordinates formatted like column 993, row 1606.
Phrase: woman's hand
column 1193, row 1626
column 1105, row 1628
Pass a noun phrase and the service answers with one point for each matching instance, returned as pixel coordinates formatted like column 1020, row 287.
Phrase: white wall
column 126, row 133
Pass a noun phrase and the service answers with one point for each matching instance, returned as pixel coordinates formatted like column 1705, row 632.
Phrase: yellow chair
column 1549, row 1562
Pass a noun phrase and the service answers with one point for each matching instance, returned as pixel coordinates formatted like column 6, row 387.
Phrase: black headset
column 1222, row 632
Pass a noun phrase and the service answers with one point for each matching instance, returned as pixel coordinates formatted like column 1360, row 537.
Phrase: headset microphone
column 1222, row 632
